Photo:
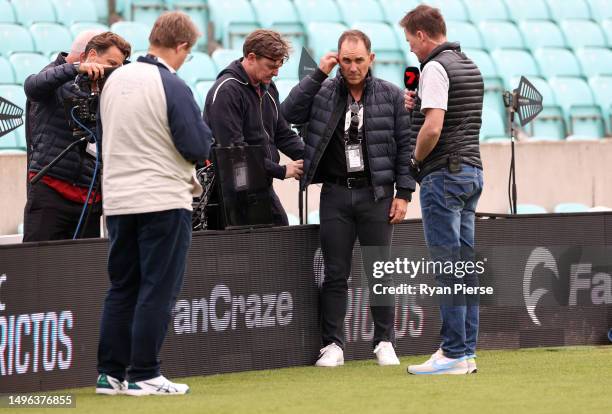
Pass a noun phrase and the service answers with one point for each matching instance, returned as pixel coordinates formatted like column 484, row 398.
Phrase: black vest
column 463, row 118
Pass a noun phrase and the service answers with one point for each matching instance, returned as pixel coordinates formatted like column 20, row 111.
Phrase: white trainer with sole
column 156, row 386
column 330, row 356
column 385, row 354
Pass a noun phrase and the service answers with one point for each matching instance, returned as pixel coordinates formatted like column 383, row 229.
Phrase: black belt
column 350, row 182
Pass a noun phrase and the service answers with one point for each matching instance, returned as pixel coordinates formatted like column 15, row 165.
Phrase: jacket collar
column 444, row 46
column 152, row 60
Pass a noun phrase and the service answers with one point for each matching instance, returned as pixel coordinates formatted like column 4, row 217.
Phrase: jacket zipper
column 264, row 127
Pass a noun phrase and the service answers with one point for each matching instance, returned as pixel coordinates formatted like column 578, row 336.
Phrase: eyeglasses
column 282, row 60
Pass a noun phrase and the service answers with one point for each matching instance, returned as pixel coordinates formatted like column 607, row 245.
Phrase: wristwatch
column 414, row 164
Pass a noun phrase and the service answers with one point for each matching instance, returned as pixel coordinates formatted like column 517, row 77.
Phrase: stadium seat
column 223, row 57
column 492, row 125
column 202, row 87
column 480, row 10
column 530, row 209
column 284, row 86
column 6, row 71
column 562, row 9
column 583, row 33
column 465, row 33
column 571, row 208
column 511, row 62
column 602, row 92
column 32, row 11
column 14, row 38
column 389, row 63
column 7, row 14
column 600, row 10
column 595, row 61
column 102, row 10
column 26, row 64
column 72, row 11
column 606, row 25
column 557, row 62
column 233, row 20
column 353, row 11
column 10, row 142
column 290, row 69
column 583, row 115
column 527, row 10
column 400, row 35
column 500, row 35
column 201, row 67
column 137, row 34
column 318, row 11
column 16, row 95
column 281, row 15
column 541, row 33
column 50, row 38
column 323, row 37
column 394, row 10
column 452, row 10
column 197, row 97
column 146, row 15
column 550, row 123
column 77, row 28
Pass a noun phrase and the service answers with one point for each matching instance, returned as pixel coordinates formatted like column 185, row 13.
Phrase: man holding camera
column 54, row 204
column 153, row 134
column 446, row 162
column 243, row 107
column 358, row 145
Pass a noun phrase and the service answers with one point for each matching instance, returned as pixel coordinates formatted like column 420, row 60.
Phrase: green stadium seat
column 530, row 209
column 72, row 11
column 400, row 35
column 354, row 11
column 281, row 15
column 571, row 208
column 557, row 62
column 493, row 125
column 500, row 35
column 50, row 38
column 465, row 33
column 284, row 86
column 527, row 10
column 7, row 14
column 202, row 89
column 291, row 68
column 583, row 33
column 101, row 10
column 6, row 71
column 575, row 9
column 318, row 11
column 394, row 10
column 26, row 64
column 452, row 10
column 223, row 57
column 600, row 9
column 606, row 25
column 595, row 61
column 233, row 21
column 136, row 33
column 601, row 87
column 77, row 28
column 201, row 67
column 541, row 33
column 389, row 63
column 323, row 37
column 198, row 98
column 14, row 38
column 583, row 115
column 147, row 16
column 480, row 10
column 32, row 11
column 513, row 62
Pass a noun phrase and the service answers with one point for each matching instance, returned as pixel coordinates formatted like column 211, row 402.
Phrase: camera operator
column 243, row 106
column 55, row 203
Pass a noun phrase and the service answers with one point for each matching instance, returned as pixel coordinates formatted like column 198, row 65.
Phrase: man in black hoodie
column 243, row 106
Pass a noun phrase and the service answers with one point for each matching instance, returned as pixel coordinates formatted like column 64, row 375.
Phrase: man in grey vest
column 446, row 162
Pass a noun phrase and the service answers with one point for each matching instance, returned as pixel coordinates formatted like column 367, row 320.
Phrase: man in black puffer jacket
column 243, row 107
column 358, row 145
column 54, row 204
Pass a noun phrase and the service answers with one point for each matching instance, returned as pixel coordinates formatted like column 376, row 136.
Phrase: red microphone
column 411, row 78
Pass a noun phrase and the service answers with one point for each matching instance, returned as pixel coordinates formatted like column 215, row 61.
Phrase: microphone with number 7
column 411, row 81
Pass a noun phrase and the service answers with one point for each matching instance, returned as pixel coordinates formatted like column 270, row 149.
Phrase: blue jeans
column 448, row 205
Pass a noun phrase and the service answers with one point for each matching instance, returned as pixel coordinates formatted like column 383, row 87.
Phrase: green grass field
column 546, row 380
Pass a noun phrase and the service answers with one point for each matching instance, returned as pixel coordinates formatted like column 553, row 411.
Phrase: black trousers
column 146, row 263
column 346, row 214
column 49, row 216
column 278, row 211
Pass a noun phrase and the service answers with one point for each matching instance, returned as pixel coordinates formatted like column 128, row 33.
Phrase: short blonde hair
column 173, row 28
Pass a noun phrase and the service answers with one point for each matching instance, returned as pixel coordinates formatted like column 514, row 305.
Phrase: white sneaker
column 438, row 364
column 385, row 354
column 330, row 356
column 110, row 385
column 156, row 386
column 471, row 363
